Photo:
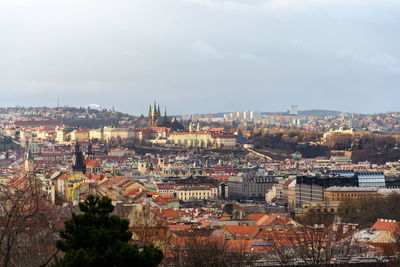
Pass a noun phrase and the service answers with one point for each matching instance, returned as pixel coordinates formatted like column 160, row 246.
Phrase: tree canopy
column 96, row 238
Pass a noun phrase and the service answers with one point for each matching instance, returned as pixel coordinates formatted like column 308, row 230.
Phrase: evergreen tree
column 95, row 238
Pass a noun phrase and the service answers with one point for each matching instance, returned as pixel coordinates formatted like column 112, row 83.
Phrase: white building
column 294, row 110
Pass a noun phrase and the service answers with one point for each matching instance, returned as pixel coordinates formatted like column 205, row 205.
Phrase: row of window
column 195, row 193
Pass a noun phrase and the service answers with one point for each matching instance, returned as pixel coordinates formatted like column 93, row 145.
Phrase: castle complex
column 155, row 118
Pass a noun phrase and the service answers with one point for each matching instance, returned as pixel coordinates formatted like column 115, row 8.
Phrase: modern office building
column 252, row 186
column 311, row 188
column 371, row 179
column 364, row 178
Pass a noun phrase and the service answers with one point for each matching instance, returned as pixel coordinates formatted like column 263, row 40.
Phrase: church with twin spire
column 156, row 119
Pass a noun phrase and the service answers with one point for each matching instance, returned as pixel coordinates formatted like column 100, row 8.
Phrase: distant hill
column 311, row 112
column 319, row 112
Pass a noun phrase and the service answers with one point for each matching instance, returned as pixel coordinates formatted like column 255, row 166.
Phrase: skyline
column 201, row 56
column 163, row 108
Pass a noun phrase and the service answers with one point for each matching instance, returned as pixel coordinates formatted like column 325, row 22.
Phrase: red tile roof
column 92, row 163
column 248, row 246
column 166, row 213
column 216, row 130
column 386, row 225
column 255, row 216
column 178, row 227
column 242, row 231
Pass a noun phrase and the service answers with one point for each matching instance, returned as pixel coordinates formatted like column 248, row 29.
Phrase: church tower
column 150, row 114
column 29, row 163
column 77, row 159
column 154, row 114
column 89, row 152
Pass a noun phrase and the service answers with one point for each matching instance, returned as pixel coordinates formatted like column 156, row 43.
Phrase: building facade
column 249, row 186
column 311, row 188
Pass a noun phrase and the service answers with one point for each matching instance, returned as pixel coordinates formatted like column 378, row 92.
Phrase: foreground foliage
column 94, row 238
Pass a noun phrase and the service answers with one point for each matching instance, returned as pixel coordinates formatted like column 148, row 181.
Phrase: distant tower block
column 294, row 110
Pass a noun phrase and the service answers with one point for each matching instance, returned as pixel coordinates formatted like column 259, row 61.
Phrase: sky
column 201, row 56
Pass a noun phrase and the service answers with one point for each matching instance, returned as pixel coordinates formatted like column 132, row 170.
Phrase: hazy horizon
column 201, row 56
column 202, row 113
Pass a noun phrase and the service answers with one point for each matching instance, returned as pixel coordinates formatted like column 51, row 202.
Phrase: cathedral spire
column 89, row 152
column 77, row 146
column 77, row 159
column 149, row 112
column 28, row 154
column 29, row 161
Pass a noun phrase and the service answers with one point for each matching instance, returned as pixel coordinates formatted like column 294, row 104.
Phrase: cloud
column 345, row 53
column 18, row 3
column 390, row 63
column 298, row 41
column 250, row 57
column 384, row 60
column 66, row 48
column 280, row 8
column 202, row 51
column 205, row 52
column 387, row 62
column 131, row 52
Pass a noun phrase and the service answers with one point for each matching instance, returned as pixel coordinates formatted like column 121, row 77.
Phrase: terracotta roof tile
column 386, row 225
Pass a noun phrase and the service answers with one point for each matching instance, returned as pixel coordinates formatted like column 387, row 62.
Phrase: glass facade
column 371, row 179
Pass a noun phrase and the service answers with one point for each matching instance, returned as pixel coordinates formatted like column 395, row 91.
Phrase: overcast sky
column 201, row 55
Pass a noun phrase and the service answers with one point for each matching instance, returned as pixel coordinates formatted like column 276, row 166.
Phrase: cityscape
column 249, row 184
column 199, row 133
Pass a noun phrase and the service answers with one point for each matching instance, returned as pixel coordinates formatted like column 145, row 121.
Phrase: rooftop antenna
column 58, row 102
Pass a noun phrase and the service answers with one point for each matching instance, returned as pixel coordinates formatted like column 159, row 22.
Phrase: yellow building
column 337, row 194
column 80, row 135
column 41, row 133
column 197, row 192
column 60, row 135
column 318, row 208
column 333, row 198
column 73, row 183
column 123, row 133
column 341, row 130
column 191, row 139
column 225, row 140
column 202, row 140
column 108, row 133
column 96, row 134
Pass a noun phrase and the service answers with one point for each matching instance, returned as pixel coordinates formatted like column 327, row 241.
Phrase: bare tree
column 240, row 253
column 311, row 245
column 26, row 231
column 197, row 250
column 145, row 221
